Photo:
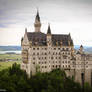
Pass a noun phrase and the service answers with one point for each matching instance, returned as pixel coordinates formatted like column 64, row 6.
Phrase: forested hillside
column 15, row 80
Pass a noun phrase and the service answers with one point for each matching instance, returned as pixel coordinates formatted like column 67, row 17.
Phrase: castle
column 45, row 52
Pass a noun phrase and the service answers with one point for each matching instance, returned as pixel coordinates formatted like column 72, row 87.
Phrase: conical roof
column 49, row 30
column 37, row 16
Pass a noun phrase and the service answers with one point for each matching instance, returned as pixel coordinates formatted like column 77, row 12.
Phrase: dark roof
column 38, row 37
column 41, row 39
column 61, row 38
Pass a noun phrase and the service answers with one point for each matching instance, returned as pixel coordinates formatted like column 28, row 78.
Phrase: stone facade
column 45, row 52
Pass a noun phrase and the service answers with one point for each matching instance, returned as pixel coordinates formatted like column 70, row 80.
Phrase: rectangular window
column 37, row 53
column 67, row 49
column 51, row 57
column 59, row 66
column 42, row 66
column 45, row 53
column 65, row 57
column 63, row 49
column 45, row 48
column 54, row 48
column 58, row 48
column 45, row 66
column 33, row 62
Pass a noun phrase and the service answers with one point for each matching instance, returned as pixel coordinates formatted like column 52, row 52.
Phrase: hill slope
column 18, row 48
column 10, row 48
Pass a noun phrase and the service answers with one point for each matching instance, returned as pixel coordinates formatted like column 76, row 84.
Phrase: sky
column 64, row 16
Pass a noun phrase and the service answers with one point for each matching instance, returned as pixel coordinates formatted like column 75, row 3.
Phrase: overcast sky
column 64, row 16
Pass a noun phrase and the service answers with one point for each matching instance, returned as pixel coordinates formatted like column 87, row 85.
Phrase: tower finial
column 49, row 30
column 25, row 30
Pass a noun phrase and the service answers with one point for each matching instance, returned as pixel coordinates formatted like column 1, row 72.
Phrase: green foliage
column 5, row 63
column 14, row 79
column 87, row 88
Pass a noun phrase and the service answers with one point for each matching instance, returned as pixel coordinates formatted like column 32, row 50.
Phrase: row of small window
column 39, row 48
column 54, row 53
column 65, row 53
column 46, row 62
column 40, row 62
column 53, row 66
column 66, row 62
column 39, row 58
column 64, row 49
column 66, row 66
column 56, row 66
column 39, row 54
column 46, row 58
column 81, row 63
column 56, row 58
column 82, row 66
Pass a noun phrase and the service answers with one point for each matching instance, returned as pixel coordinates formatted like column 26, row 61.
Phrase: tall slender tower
column 37, row 23
column 49, row 35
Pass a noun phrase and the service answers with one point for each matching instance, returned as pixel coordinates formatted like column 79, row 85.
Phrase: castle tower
column 37, row 23
column 49, row 44
column 49, row 35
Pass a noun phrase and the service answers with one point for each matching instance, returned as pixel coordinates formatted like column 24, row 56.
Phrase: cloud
column 74, row 16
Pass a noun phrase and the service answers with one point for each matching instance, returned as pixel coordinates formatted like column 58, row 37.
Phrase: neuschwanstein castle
column 45, row 52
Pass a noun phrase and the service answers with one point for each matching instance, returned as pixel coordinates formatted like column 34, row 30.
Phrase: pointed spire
column 37, row 23
column 81, row 46
column 49, row 30
column 22, row 39
column 37, row 16
column 69, row 34
column 81, row 49
column 25, row 30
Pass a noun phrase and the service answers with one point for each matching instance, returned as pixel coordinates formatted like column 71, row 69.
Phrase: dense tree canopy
column 15, row 80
